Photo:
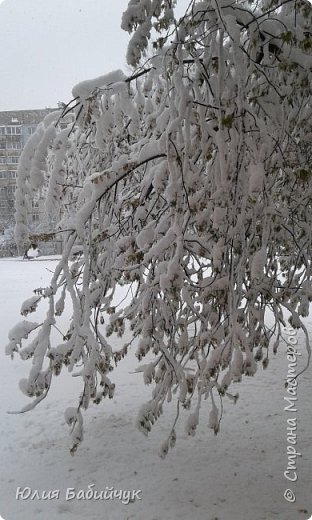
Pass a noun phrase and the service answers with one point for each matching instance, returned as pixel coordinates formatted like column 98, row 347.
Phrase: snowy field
column 236, row 475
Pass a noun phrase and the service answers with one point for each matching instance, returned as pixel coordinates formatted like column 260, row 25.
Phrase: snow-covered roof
column 28, row 117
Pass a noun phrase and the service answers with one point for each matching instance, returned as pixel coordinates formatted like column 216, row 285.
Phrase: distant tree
column 7, row 240
column 188, row 182
column 7, row 222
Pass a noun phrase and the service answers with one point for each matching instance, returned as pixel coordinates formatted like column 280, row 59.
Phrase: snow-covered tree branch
column 190, row 184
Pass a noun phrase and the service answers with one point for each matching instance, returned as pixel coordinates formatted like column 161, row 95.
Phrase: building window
column 11, row 130
column 12, row 174
column 14, row 145
column 3, row 160
column 8, row 190
column 12, row 160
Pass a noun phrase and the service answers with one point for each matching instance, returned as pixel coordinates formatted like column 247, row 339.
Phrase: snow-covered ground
column 237, row 474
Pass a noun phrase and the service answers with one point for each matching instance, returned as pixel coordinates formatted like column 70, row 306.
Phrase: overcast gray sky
column 47, row 46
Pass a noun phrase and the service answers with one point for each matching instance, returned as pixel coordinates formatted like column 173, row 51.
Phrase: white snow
column 84, row 89
column 233, row 475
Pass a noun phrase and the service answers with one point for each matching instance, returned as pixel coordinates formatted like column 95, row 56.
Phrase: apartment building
column 15, row 129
